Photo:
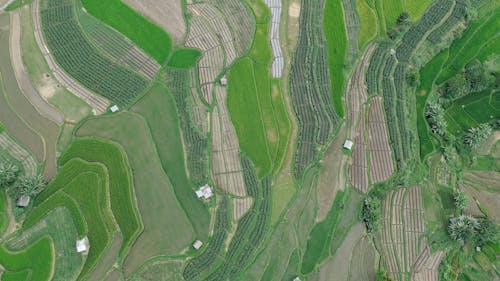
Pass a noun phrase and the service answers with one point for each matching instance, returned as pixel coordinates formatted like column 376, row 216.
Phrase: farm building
column 197, row 244
column 348, row 144
column 23, row 201
column 296, row 279
column 82, row 245
column 205, row 192
column 223, row 80
column 114, row 108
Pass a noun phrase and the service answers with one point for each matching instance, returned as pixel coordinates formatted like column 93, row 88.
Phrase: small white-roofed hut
column 114, row 108
column 204, row 192
column 348, row 144
column 23, row 201
column 197, row 244
column 82, row 245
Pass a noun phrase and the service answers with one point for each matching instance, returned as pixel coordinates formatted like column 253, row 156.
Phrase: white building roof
column 296, row 279
column 348, row 144
column 223, row 80
column 204, row 192
column 114, row 108
column 197, row 244
column 23, row 201
column 82, row 245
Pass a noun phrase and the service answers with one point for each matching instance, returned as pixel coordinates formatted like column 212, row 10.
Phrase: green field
column 472, row 110
column 156, row 199
column 416, row 8
column 336, row 38
column 158, row 109
column 427, row 75
column 369, row 25
column 184, row 58
column 479, row 35
column 29, row 260
column 145, row 34
column 256, row 103
column 392, row 10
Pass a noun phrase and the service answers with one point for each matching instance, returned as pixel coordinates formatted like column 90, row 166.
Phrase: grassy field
column 479, row 35
column 4, row 220
column 416, row 8
column 472, row 110
column 336, row 38
column 29, row 260
column 156, row 198
column 392, row 10
column 256, row 104
column 158, row 109
column 427, row 75
column 369, row 24
column 184, row 58
column 145, row 34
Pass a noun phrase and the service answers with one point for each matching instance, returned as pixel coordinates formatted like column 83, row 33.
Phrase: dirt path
column 12, row 221
column 99, row 104
column 25, row 84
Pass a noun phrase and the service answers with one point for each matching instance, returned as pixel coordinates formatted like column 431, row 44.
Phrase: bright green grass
column 16, row 275
column 416, row 8
column 427, row 75
column 37, row 259
column 336, row 38
column 480, row 34
column 246, row 115
column 120, row 185
column 145, row 34
column 471, row 110
column 158, row 108
column 392, row 10
column 369, row 23
column 1, row 128
column 256, row 103
column 184, row 58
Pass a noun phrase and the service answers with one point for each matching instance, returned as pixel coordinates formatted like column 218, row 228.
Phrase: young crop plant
column 79, row 58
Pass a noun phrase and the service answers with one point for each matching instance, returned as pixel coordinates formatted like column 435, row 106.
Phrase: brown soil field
column 337, row 268
column 108, row 259
column 427, row 270
column 381, row 164
column 226, row 165
column 29, row 127
column 45, row 109
column 332, row 175
column 362, row 265
column 401, row 238
column 482, row 188
column 241, row 207
column 168, row 14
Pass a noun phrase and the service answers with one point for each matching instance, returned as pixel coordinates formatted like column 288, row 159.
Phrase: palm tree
column 8, row 173
column 463, row 228
column 476, row 136
column 31, row 186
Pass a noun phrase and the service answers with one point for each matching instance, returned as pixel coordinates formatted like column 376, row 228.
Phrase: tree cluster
column 477, row 136
column 477, row 231
column 371, row 214
column 435, row 115
column 475, row 78
column 8, row 173
column 22, row 186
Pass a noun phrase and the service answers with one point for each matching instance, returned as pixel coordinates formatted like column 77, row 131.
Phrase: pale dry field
column 167, row 14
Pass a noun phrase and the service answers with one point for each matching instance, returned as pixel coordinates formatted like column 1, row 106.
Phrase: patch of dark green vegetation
column 184, row 58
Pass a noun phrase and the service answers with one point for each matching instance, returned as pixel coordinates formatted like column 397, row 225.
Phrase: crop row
column 194, row 140
column 310, row 87
column 458, row 14
column 377, row 60
column 76, row 55
column 434, row 14
column 249, row 233
column 203, row 263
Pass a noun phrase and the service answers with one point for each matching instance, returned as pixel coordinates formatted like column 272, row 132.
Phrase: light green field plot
column 336, row 38
column 58, row 225
column 392, row 10
column 145, row 34
column 369, row 25
column 167, row 230
column 256, row 102
column 29, row 260
column 184, row 58
column 472, row 110
column 416, row 8
column 158, row 109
